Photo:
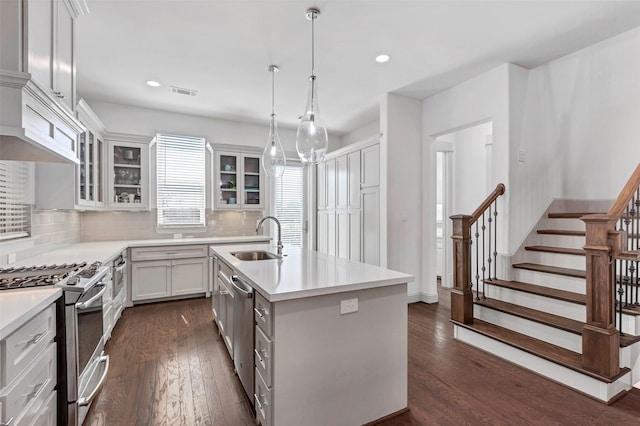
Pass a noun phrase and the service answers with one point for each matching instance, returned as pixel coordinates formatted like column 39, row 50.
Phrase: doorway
column 463, row 180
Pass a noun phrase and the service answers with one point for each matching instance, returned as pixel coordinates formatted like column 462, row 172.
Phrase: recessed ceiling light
column 382, row 58
column 153, row 83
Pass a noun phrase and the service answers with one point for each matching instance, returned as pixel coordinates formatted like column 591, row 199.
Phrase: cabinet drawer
column 263, row 315
column 263, row 354
column 263, row 401
column 46, row 416
column 21, row 347
column 167, row 252
column 225, row 272
column 23, row 399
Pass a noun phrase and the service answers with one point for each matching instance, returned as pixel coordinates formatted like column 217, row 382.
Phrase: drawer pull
column 224, row 292
column 8, row 422
column 261, row 357
column 261, row 312
column 38, row 389
column 257, row 399
column 38, row 337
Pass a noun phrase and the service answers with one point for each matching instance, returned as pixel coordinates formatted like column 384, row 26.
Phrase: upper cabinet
column 37, row 80
column 76, row 186
column 128, row 172
column 239, row 181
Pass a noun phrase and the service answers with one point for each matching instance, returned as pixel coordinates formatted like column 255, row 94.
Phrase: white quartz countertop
column 105, row 251
column 304, row 273
column 18, row 306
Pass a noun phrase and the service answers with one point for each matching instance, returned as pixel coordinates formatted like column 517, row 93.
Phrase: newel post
column 600, row 338
column 461, row 295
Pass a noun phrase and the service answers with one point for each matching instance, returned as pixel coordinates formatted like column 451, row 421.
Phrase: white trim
column 357, row 146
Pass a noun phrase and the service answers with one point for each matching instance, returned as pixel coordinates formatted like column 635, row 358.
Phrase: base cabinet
column 161, row 272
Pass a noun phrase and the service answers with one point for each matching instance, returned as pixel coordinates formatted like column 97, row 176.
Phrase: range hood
column 33, row 126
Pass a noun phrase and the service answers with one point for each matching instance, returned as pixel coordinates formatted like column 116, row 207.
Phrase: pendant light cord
column 273, row 92
column 313, row 18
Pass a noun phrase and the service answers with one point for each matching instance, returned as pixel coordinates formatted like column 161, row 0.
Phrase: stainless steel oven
column 86, row 364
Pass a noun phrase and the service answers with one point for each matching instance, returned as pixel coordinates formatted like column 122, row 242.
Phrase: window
column 180, row 181
column 15, row 211
column 289, row 199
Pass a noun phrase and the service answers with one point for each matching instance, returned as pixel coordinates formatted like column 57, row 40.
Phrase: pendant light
column 311, row 138
column 273, row 158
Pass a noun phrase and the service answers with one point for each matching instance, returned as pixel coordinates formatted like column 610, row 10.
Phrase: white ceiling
column 222, row 49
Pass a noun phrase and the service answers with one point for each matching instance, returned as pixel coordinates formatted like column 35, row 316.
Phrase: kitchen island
column 330, row 337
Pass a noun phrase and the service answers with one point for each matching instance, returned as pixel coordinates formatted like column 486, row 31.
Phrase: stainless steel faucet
column 279, row 231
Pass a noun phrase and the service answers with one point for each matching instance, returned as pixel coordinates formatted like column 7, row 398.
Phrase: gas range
column 69, row 276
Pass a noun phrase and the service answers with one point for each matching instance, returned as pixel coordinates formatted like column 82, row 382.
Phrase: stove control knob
column 73, row 280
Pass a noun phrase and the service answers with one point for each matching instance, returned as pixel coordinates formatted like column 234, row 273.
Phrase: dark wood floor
column 169, row 367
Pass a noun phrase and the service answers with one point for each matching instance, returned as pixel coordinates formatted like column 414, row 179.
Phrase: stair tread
column 570, row 215
column 553, row 293
column 541, row 317
column 569, row 272
column 561, row 232
column 545, row 318
column 539, row 348
column 559, row 250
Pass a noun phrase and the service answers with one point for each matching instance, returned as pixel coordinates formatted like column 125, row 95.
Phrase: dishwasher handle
column 243, row 288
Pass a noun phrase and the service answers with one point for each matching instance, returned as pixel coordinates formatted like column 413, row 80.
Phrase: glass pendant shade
column 273, row 159
column 311, row 138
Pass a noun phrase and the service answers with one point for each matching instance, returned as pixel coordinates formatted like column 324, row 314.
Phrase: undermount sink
column 255, row 255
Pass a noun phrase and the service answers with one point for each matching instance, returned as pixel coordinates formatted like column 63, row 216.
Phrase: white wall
column 479, row 100
column 400, row 155
column 365, row 132
column 142, row 121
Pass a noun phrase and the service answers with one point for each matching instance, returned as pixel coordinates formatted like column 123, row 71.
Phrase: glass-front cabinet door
column 239, row 182
column 129, row 175
column 90, row 153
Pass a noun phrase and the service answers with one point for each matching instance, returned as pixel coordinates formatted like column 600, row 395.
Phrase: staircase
column 536, row 318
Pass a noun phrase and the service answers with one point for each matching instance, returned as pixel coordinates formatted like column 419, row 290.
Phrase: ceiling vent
column 181, row 91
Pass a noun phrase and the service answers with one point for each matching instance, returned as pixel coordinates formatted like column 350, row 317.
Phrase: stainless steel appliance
column 119, row 274
column 243, row 334
column 82, row 366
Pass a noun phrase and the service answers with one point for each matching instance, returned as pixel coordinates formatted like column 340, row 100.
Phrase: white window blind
column 180, row 181
column 289, row 204
column 15, row 212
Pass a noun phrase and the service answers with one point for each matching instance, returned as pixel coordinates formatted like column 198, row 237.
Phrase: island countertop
column 305, row 273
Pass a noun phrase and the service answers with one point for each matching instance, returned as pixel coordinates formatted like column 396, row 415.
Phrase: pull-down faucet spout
column 279, row 231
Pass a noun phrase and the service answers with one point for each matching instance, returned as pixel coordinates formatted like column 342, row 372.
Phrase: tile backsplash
column 104, row 226
column 51, row 229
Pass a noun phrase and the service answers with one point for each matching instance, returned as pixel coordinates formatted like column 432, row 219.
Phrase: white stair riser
column 556, row 259
column 559, row 241
column 630, row 324
column 559, row 282
column 552, row 335
column 630, row 357
column 564, row 224
column 540, row 303
column 583, row 383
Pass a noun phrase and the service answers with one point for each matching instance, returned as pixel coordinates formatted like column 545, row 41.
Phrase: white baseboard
column 422, row 297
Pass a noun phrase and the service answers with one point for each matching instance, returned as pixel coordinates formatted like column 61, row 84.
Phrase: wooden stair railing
column 462, row 294
column 603, row 244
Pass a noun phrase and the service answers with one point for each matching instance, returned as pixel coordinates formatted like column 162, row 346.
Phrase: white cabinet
column 239, row 181
column 224, row 304
column 37, row 80
column 76, row 186
column 28, row 372
column 161, row 272
column 340, row 183
column 128, row 172
column 371, row 225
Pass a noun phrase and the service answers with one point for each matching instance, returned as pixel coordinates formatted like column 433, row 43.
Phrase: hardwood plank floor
column 170, row 367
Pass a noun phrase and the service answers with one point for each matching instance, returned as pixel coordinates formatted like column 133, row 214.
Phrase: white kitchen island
column 314, row 364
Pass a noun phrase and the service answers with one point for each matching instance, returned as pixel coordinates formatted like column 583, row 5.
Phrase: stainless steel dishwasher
column 243, row 333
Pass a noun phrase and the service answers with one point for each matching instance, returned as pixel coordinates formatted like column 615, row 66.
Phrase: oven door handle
column 120, row 268
column 84, row 401
column 83, row 305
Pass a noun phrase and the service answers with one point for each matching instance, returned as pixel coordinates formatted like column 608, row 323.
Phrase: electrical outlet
column 177, row 236
column 348, row 306
column 11, row 257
